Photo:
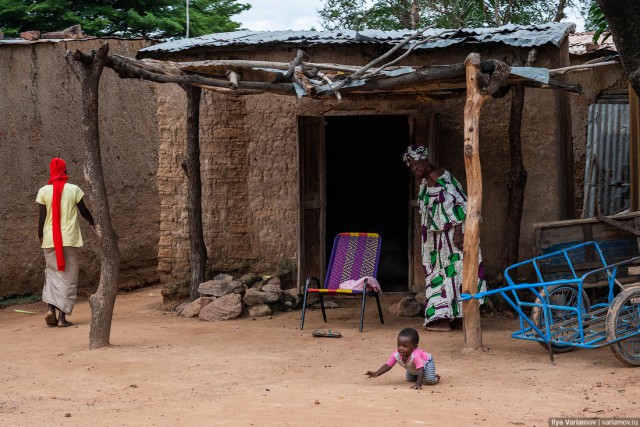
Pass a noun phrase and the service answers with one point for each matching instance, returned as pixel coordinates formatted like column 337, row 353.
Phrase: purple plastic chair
column 354, row 256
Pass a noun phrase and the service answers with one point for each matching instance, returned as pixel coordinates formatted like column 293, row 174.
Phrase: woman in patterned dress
column 443, row 207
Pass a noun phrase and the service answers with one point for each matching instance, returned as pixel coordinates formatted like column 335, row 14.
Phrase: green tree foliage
column 124, row 18
column 396, row 14
column 597, row 22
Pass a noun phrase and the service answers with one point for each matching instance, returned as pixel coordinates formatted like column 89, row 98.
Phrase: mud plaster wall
column 249, row 165
column 40, row 118
column 593, row 82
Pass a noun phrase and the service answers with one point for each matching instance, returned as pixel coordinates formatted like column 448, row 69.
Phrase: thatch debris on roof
column 583, row 43
column 73, row 32
column 31, row 35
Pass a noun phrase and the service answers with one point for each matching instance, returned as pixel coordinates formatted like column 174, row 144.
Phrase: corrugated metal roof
column 606, row 183
column 512, row 35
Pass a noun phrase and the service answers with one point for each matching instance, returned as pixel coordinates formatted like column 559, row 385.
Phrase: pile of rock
column 409, row 306
column 224, row 298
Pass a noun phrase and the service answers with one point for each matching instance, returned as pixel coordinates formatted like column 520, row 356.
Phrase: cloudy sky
column 280, row 15
column 266, row 15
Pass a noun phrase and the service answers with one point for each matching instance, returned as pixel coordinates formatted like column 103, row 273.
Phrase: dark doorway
column 368, row 188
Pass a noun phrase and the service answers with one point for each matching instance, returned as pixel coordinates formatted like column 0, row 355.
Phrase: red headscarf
column 58, row 177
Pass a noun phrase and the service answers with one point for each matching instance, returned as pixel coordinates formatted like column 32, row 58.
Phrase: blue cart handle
column 479, row 295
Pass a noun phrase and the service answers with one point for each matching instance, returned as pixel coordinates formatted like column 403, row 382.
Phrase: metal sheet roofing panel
column 512, row 35
column 533, row 73
column 606, row 183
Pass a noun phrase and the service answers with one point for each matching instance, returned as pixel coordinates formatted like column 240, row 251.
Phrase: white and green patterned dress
column 442, row 207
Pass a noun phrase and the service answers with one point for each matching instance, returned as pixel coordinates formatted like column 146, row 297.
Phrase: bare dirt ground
column 166, row 370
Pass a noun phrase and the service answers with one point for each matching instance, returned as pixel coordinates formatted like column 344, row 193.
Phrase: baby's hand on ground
column 371, row 374
column 416, row 386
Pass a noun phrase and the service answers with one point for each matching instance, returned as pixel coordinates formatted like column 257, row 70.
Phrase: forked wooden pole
column 475, row 99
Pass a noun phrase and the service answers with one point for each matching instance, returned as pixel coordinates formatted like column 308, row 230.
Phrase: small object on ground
column 24, row 311
column 326, row 334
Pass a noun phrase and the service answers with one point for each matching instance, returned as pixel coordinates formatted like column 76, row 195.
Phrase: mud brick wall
column 248, row 158
column 249, row 183
column 250, row 163
column 40, row 118
column 250, row 175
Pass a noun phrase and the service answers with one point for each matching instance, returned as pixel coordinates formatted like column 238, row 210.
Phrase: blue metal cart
column 555, row 310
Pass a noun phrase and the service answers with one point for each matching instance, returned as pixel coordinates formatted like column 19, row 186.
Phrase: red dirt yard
column 166, row 370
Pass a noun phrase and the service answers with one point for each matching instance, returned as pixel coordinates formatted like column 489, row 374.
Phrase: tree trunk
column 475, row 99
column 191, row 166
column 496, row 13
column 88, row 69
column 560, row 11
column 623, row 17
column 415, row 15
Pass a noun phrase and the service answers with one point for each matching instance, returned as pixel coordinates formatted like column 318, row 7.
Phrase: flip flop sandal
column 65, row 324
column 333, row 334
column 51, row 320
column 319, row 333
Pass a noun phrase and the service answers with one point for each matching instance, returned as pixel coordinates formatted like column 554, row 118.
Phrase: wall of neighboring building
column 40, row 118
column 593, row 81
column 250, row 165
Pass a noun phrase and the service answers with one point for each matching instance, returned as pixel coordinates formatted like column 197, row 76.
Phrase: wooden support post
column 302, row 80
column 634, row 150
column 88, row 69
column 475, row 99
column 191, row 166
column 233, row 79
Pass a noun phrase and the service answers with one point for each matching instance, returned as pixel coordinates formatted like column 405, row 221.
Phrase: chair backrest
column 354, row 255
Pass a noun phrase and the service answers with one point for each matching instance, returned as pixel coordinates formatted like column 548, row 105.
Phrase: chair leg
column 324, row 314
column 379, row 309
column 304, row 304
column 364, row 300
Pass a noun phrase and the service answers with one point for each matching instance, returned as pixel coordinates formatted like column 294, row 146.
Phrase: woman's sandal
column 50, row 318
column 66, row 324
column 318, row 333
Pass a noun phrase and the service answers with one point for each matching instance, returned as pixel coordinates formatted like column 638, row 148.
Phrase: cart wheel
column 623, row 317
column 560, row 295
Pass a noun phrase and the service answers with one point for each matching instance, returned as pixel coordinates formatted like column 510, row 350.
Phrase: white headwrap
column 415, row 152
